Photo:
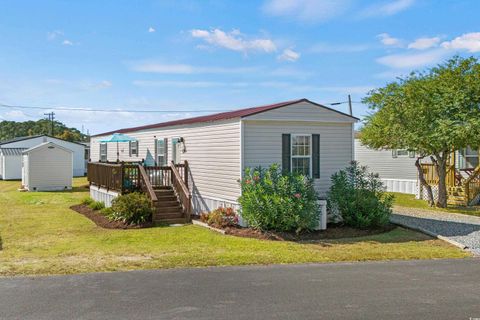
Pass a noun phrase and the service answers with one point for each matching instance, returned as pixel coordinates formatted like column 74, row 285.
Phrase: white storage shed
column 47, row 167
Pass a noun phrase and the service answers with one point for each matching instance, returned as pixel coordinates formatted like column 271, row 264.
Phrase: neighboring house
column 396, row 167
column 9, row 160
column 47, row 167
column 299, row 135
column 12, row 170
column 397, row 170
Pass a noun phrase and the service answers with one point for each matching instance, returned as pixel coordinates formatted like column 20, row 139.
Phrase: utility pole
column 51, row 118
column 350, row 105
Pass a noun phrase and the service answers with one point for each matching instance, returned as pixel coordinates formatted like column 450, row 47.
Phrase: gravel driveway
column 458, row 227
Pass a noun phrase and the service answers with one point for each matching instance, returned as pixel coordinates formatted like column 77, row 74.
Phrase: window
column 470, row 157
column 301, row 154
column 133, row 148
column 402, row 153
column 103, row 152
column 161, row 152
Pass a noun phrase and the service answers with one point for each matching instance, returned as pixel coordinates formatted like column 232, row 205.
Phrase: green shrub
column 87, row 201
column 131, row 208
column 220, row 217
column 106, row 212
column 272, row 200
column 97, row 205
column 359, row 197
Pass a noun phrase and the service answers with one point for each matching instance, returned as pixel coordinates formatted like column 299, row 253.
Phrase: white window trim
column 162, row 153
column 310, row 174
column 106, row 152
column 136, row 148
column 410, row 154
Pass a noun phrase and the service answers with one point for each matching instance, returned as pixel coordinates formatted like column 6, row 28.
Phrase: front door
column 176, row 150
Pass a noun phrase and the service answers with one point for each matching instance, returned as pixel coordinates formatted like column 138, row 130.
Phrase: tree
column 433, row 113
column 12, row 129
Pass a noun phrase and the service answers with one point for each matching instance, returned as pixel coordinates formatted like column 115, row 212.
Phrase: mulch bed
column 333, row 232
column 103, row 221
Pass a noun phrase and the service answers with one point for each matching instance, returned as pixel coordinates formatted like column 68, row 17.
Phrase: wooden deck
column 165, row 186
column 463, row 185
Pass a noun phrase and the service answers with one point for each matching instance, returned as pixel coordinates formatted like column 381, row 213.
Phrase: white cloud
column 54, row 34
column 234, row 40
column 156, row 67
column 67, row 42
column 289, row 55
column 405, row 61
column 337, row 48
column 467, row 41
column 388, row 8
column 151, row 29
column 388, row 40
column 307, row 10
column 104, row 84
column 424, row 43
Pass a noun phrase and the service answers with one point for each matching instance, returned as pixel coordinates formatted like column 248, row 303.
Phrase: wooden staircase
column 168, row 209
column 169, row 195
column 457, row 196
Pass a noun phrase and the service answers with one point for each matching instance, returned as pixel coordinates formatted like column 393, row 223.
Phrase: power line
column 103, row 110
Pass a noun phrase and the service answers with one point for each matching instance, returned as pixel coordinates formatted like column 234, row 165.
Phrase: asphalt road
column 442, row 289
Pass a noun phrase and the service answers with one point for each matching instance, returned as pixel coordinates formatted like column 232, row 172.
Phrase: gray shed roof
column 12, row 151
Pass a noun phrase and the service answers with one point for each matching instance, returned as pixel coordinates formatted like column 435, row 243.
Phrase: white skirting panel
column 103, row 195
column 401, row 185
column 207, row 204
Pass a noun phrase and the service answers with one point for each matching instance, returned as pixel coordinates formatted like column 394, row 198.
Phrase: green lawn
column 408, row 200
column 41, row 235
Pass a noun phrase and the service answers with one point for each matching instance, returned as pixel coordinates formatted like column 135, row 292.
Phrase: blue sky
column 189, row 55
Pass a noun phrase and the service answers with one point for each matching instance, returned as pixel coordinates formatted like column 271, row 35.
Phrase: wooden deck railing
column 181, row 189
column 146, row 186
column 106, row 175
column 431, row 176
column 472, row 185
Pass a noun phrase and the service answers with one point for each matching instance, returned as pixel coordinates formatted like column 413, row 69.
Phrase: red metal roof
column 219, row 116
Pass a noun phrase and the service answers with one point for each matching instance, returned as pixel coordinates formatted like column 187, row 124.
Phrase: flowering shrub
column 359, row 197
column 220, row 217
column 272, row 200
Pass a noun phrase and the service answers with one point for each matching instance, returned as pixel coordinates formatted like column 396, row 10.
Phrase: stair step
column 164, row 203
column 163, row 216
column 163, row 198
column 163, row 188
column 171, row 221
column 176, row 208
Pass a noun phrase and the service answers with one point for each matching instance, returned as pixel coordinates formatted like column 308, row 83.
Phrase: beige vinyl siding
column 383, row 163
column 303, row 111
column 263, row 145
column 212, row 150
column 49, row 169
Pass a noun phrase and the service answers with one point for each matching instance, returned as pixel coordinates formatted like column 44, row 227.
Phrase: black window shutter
column 129, row 148
column 316, row 156
column 286, row 152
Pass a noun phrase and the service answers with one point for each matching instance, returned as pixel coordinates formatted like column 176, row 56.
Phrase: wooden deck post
column 185, row 173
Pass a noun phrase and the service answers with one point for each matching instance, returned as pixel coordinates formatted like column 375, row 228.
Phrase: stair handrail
column 475, row 174
column 182, row 191
column 145, row 184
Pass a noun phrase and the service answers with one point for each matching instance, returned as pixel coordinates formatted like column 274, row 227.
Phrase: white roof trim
column 47, row 144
